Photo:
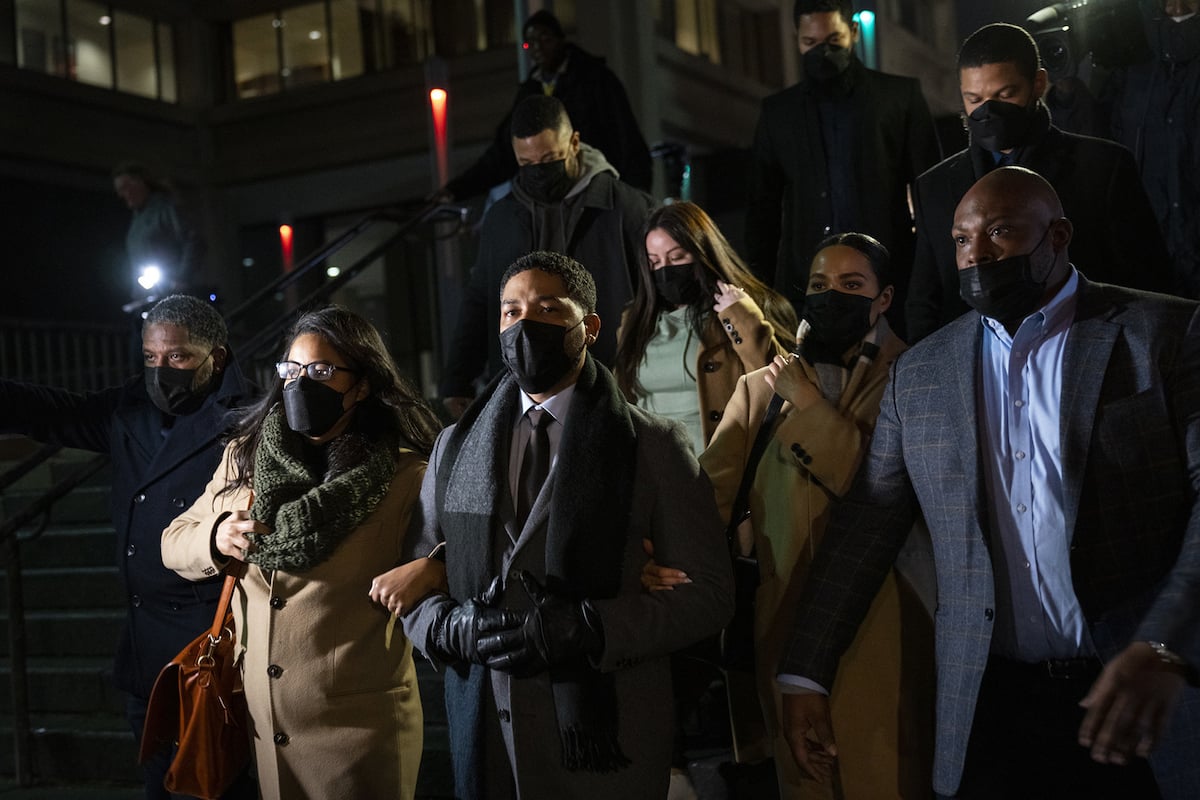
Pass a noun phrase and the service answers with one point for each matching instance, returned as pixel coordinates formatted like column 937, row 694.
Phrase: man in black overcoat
column 163, row 430
column 1117, row 237
column 835, row 153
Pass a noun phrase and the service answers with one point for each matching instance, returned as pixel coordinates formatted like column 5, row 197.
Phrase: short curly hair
column 203, row 323
column 580, row 285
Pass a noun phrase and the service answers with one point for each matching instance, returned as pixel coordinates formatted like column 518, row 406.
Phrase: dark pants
column 154, row 770
column 1024, row 740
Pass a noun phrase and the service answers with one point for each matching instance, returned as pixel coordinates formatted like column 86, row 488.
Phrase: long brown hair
column 392, row 398
column 714, row 259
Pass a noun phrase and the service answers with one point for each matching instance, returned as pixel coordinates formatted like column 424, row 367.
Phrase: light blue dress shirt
column 1020, row 389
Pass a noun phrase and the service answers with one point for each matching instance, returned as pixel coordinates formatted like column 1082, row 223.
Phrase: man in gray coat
column 559, row 682
column 1051, row 439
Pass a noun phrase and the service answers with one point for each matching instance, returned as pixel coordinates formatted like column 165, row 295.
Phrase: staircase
column 74, row 609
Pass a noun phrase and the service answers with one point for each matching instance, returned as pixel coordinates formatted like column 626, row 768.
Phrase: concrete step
column 79, row 545
column 68, row 632
column 49, row 588
column 65, row 685
column 74, row 747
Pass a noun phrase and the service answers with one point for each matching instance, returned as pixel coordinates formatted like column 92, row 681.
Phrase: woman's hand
column 785, row 375
column 400, row 589
column 656, row 578
column 230, row 539
column 726, row 295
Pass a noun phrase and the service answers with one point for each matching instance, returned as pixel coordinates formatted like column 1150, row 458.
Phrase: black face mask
column 996, row 125
column 677, row 284
column 838, row 319
column 312, row 407
column 171, row 390
column 1005, row 290
column 825, row 62
column 546, row 183
column 534, row 353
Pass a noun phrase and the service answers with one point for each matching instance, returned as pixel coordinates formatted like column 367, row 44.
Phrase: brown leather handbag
column 198, row 705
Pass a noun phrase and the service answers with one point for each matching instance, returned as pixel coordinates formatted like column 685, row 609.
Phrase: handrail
column 426, row 213
column 27, row 465
column 266, row 333
column 10, row 552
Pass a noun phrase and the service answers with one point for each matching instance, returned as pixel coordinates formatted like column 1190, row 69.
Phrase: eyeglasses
column 316, row 370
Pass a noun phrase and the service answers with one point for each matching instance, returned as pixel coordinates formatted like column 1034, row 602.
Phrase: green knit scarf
column 311, row 508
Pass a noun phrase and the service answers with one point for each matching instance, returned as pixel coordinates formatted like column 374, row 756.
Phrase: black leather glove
column 555, row 632
column 457, row 632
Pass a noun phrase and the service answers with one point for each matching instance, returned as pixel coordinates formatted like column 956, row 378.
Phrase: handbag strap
column 233, row 570
column 741, row 503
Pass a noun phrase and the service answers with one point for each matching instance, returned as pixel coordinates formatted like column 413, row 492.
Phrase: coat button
column 988, row 614
column 274, row 671
column 130, row 550
column 737, row 339
column 710, row 366
column 139, row 498
column 504, row 715
column 176, row 606
column 714, row 416
column 136, row 600
column 179, row 502
column 278, row 602
column 280, row 739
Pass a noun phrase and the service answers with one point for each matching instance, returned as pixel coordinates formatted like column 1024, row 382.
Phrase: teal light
column 866, row 40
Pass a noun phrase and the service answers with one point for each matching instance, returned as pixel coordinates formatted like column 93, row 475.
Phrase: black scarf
column 585, row 543
column 314, row 497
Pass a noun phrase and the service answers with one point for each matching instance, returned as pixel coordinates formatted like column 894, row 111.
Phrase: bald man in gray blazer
column 1051, row 439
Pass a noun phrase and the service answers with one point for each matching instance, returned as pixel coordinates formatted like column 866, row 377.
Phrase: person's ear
column 220, row 356
column 591, row 329
column 1061, row 232
column 885, row 298
column 1041, row 82
column 855, row 31
column 362, row 390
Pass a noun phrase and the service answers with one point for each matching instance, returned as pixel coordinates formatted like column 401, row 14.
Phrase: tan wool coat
column 810, row 460
column 330, row 683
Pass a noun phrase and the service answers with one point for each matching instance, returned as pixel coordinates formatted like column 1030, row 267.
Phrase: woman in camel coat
column 315, row 493
column 882, row 703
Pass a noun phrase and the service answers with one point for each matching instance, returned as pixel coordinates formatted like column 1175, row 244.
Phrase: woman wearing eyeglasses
column 314, row 493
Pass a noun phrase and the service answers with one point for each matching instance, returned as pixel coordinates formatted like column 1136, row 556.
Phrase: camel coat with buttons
column 809, row 462
column 329, row 676
column 744, row 342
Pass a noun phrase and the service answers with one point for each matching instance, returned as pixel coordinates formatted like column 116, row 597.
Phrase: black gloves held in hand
column 457, row 633
column 555, row 632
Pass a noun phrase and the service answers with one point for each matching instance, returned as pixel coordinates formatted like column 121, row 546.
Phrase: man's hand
column 808, row 729
column 457, row 633
column 1130, row 704
column 556, row 631
column 785, row 375
column 400, row 589
column 657, row 578
column 230, row 537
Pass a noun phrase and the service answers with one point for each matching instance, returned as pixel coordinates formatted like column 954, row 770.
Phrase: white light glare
column 150, row 276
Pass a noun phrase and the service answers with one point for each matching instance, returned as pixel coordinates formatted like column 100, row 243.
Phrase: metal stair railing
column 10, row 552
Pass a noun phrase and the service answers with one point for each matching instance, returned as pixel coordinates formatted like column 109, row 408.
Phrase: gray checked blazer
column 1130, row 444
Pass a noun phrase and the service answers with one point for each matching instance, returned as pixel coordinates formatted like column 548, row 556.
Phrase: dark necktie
column 535, row 465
